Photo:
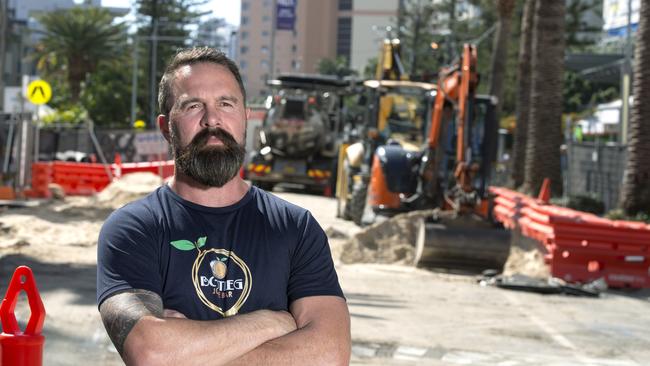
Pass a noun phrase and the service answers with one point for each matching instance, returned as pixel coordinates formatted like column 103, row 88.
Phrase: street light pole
column 626, row 80
column 154, row 55
column 134, row 79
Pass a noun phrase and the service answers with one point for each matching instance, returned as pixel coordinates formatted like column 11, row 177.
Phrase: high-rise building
column 361, row 27
column 265, row 52
column 321, row 29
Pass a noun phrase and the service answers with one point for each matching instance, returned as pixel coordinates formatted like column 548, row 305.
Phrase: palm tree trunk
column 545, row 128
column 523, row 94
column 635, row 196
column 500, row 53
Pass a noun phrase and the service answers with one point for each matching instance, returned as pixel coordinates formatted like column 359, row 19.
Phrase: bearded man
column 207, row 270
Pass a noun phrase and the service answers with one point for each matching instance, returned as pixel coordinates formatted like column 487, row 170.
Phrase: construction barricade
column 22, row 348
column 87, row 178
column 580, row 247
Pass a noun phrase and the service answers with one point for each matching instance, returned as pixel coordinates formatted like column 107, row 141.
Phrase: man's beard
column 209, row 165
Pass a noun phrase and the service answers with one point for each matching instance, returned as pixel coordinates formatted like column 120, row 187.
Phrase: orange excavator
column 432, row 149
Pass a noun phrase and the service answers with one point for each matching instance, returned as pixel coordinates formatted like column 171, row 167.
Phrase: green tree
column 545, row 121
column 415, row 19
column 76, row 42
column 581, row 35
column 338, row 67
column 169, row 21
column 635, row 195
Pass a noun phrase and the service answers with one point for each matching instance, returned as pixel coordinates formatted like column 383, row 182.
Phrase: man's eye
column 194, row 106
column 226, row 104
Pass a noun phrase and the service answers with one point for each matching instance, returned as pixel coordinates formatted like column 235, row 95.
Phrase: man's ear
column 248, row 114
column 163, row 124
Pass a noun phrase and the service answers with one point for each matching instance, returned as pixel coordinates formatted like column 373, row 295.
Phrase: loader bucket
column 460, row 242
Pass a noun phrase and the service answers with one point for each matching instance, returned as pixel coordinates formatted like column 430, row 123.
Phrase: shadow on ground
column 78, row 279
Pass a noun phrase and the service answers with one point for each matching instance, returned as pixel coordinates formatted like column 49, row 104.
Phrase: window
column 244, row 20
column 244, row 35
column 265, row 33
column 264, row 64
column 344, row 41
column 265, row 49
column 294, row 48
column 243, row 64
column 245, row 5
column 345, row 4
column 265, row 18
column 243, row 50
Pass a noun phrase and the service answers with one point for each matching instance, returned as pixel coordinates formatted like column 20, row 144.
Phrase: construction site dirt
column 401, row 315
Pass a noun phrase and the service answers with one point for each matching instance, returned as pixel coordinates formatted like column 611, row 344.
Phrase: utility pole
column 3, row 45
column 134, row 78
column 154, row 55
column 273, row 25
column 626, row 80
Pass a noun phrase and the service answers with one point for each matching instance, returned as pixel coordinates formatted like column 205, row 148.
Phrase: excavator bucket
column 460, row 242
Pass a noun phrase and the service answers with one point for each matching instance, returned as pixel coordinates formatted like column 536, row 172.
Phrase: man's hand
column 322, row 338
column 146, row 334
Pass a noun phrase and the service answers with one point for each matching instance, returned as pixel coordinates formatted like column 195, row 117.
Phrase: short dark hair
column 191, row 56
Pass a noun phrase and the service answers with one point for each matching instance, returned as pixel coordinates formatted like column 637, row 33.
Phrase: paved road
column 400, row 315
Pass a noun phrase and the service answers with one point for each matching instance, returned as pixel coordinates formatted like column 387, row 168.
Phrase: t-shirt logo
column 219, row 276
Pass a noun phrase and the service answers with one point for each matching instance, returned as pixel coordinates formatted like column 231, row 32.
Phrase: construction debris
column 549, row 286
column 389, row 241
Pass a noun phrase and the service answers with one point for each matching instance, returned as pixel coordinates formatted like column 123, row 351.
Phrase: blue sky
column 228, row 9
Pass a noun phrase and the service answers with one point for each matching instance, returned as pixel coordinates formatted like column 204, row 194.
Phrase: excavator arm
column 456, row 86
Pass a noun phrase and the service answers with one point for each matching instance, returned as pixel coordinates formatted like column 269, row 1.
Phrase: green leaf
column 201, row 241
column 183, row 245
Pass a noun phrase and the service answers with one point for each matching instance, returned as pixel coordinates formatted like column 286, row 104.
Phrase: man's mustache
column 201, row 138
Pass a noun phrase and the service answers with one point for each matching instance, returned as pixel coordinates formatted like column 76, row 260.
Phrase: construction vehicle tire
column 346, row 215
column 267, row 186
column 357, row 203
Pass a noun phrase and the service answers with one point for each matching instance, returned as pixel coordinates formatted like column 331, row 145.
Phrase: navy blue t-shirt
column 259, row 253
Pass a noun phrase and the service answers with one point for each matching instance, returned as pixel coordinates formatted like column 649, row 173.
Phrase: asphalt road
column 400, row 315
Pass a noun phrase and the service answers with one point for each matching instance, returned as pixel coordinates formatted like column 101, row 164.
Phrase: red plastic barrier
column 87, row 178
column 581, row 246
column 22, row 348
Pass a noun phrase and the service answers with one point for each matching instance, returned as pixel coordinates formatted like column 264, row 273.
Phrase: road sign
column 39, row 92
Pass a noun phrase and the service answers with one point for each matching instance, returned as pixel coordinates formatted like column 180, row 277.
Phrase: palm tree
column 500, row 47
column 635, row 195
column 76, row 41
column 545, row 123
column 523, row 94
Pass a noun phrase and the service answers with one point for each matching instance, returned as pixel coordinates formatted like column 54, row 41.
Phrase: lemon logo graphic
column 219, row 268
column 217, row 284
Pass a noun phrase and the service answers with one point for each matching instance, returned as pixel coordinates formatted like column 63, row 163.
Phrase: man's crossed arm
column 316, row 332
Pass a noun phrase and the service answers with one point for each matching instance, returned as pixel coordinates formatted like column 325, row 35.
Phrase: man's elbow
column 143, row 347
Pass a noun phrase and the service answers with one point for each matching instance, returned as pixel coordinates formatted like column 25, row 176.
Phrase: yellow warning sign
column 39, row 92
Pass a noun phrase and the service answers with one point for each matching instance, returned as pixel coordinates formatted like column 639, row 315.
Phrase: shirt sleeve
column 312, row 269
column 127, row 253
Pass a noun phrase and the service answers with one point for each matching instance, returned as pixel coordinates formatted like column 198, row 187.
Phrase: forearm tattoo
column 122, row 311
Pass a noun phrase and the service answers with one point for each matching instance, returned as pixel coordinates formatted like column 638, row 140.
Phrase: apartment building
column 321, row 29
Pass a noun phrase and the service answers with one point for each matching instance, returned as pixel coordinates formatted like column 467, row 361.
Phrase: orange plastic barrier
column 580, row 246
column 18, row 347
column 87, row 178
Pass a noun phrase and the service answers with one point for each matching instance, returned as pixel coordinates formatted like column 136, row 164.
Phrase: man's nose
column 211, row 118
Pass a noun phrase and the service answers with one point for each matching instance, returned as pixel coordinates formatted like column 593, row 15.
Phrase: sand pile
column 128, row 188
column 389, row 241
column 526, row 258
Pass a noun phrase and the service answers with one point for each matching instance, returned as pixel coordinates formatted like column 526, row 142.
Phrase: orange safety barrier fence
column 580, row 246
column 86, row 178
